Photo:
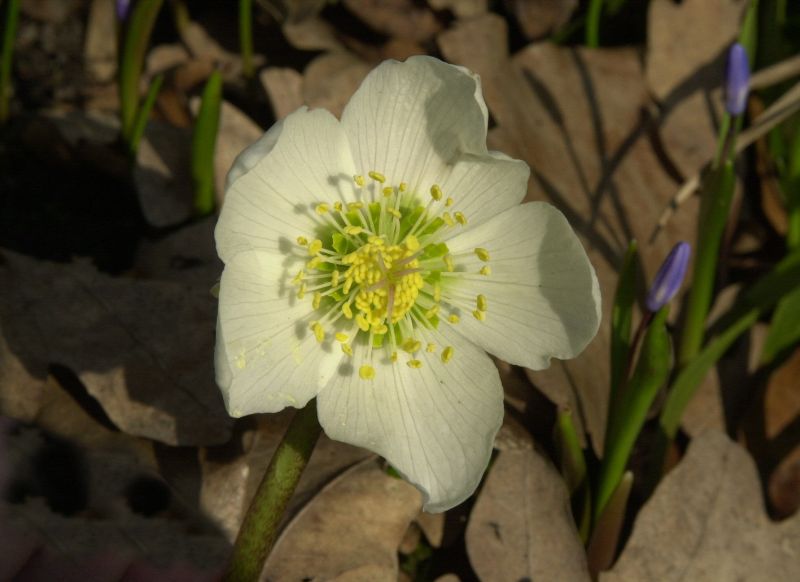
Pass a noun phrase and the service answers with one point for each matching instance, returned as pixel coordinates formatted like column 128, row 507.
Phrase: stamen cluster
column 382, row 266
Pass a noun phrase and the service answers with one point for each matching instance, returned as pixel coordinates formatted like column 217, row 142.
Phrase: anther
column 436, row 192
column 437, row 292
column 460, row 218
column 486, row 270
column 479, row 315
column 395, row 213
column 482, row 254
column 359, row 180
column 322, row 208
column 335, row 278
column 448, row 220
column 317, row 300
column 388, row 191
column 337, row 206
column 302, row 291
column 341, row 337
column 403, row 187
column 319, row 333
column 393, row 357
column 430, row 348
column 353, row 230
column 481, row 302
column 449, row 202
column 414, row 364
column 362, row 322
column 432, row 311
column 299, row 277
column 377, row 176
column 302, row 241
column 412, row 243
column 347, row 350
column 447, row 354
column 453, row 318
column 366, row 372
column 449, row 263
column 315, row 247
column 411, row 345
column 355, row 205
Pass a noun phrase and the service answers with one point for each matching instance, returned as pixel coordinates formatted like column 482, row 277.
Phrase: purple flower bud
column 123, row 7
column 669, row 277
column 737, row 80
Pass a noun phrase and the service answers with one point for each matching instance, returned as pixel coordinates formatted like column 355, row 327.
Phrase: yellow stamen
column 449, row 202
column 317, row 300
column 460, row 218
column 486, row 270
column 411, row 345
column 453, row 318
column 359, row 180
column 319, row 333
column 436, row 192
column 481, row 302
column 366, row 371
column 393, row 357
column 479, row 315
column 395, row 213
column 335, row 278
column 302, row 291
column 437, row 293
column 482, row 254
column 388, row 191
column 449, row 263
column 322, row 208
column 447, row 354
column 431, row 348
column 377, row 176
column 314, row 263
column 414, row 364
column 348, row 312
column 353, row 230
column 341, row 337
column 347, row 350
column 412, row 243
column 448, row 220
column 355, row 205
column 302, row 241
column 403, row 186
column 299, row 277
column 432, row 311
column 315, row 247
column 362, row 322
column 337, row 206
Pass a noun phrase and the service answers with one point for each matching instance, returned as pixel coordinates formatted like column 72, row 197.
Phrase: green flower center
column 382, row 265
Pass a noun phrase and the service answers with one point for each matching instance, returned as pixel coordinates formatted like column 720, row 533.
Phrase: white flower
column 371, row 262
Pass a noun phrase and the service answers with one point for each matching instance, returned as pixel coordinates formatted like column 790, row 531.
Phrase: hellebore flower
column 371, row 262
column 737, row 80
column 669, row 277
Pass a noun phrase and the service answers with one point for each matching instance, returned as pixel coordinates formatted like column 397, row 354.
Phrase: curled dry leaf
column 352, row 527
column 706, row 521
column 576, row 117
column 142, row 349
column 521, row 527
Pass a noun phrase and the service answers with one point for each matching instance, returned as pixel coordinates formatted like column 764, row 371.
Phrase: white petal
column 483, row 186
column 268, row 206
column 436, row 424
column 266, row 356
column 543, row 296
column 252, row 154
column 410, row 120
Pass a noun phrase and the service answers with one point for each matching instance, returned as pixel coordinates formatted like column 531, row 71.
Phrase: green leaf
column 6, row 56
column 137, row 37
column 144, row 113
column 784, row 331
column 621, row 317
column 573, row 467
column 204, row 141
column 716, row 195
column 652, row 372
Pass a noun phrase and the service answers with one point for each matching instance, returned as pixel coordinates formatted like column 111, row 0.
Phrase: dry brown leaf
column 230, row 474
column 100, row 47
column 312, row 34
column 187, row 255
column 163, row 174
column 685, row 63
column 284, row 87
column 142, row 349
column 521, row 527
column 576, row 117
column 706, row 521
column 539, row 18
column 461, row 8
column 396, row 18
column 331, row 79
column 353, row 526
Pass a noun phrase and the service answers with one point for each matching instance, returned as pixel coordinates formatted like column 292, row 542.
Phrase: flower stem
column 260, row 528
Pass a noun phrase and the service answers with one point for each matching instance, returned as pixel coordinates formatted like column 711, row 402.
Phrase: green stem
column 143, row 115
column 246, row 37
column 593, row 15
column 717, row 193
column 260, row 528
column 9, row 35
